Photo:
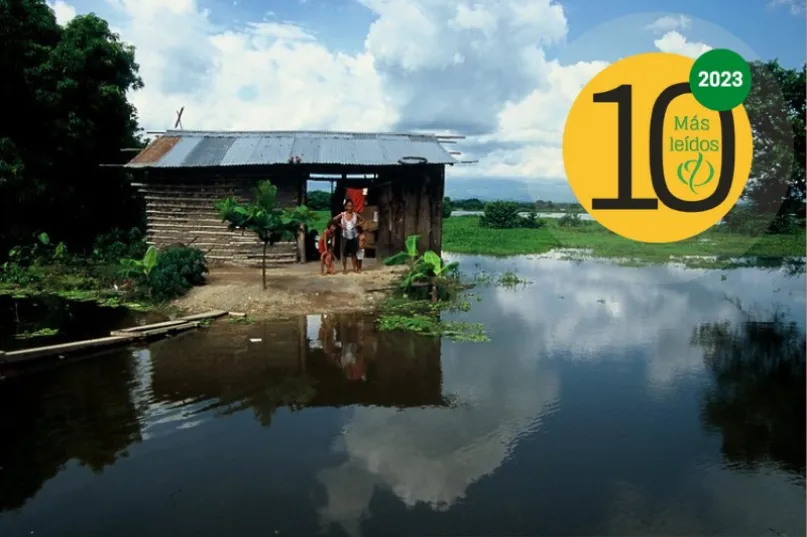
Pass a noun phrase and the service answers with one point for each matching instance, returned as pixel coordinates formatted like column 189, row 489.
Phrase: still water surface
column 606, row 404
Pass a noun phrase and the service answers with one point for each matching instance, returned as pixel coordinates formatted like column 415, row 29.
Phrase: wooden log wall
column 410, row 202
column 179, row 209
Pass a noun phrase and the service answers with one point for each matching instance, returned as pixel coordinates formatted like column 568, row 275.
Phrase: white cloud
column 434, row 65
column 676, row 43
column 669, row 23
column 260, row 75
column 431, row 456
column 796, row 7
column 64, row 12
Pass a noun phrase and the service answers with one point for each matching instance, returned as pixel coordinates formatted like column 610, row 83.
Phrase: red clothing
column 356, row 195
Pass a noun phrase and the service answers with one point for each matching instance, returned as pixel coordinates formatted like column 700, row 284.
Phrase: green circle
column 720, row 79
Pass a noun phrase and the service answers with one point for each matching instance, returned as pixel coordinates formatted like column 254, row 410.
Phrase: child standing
column 325, row 248
column 360, row 250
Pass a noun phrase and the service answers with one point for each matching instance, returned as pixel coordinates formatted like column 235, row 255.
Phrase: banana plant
column 429, row 268
column 141, row 266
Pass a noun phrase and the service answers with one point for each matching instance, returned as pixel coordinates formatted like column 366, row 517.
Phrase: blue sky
column 503, row 72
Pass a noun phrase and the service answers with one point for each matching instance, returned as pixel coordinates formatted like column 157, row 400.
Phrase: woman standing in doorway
column 349, row 220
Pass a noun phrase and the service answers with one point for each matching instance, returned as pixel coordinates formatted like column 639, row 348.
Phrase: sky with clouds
column 502, row 72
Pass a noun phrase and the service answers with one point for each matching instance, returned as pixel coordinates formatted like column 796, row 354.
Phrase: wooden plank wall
column 410, row 202
column 179, row 209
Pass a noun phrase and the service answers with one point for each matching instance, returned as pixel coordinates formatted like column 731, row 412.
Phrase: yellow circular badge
column 645, row 159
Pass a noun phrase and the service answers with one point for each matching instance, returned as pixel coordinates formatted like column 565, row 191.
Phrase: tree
column 448, row 207
column 71, row 113
column 319, row 200
column 757, row 399
column 776, row 110
column 265, row 218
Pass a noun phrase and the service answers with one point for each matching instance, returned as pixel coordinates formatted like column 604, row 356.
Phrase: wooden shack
column 182, row 173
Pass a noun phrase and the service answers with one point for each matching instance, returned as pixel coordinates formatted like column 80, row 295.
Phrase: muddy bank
column 291, row 290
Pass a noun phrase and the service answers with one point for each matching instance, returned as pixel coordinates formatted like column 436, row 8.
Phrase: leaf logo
column 689, row 169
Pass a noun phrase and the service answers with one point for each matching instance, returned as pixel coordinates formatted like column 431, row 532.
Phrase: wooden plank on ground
column 63, row 348
column 196, row 317
column 142, row 334
column 214, row 314
column 116, row 338
column 135, row 329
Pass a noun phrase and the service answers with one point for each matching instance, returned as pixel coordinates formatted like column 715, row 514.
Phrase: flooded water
column 606, row 404
column 49, row 320
column 582, row 216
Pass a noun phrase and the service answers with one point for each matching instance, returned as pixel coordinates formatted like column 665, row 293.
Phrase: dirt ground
column 290, row 290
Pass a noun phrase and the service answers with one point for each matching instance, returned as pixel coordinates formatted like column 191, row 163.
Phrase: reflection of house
column 184, row 172
column 222, row 364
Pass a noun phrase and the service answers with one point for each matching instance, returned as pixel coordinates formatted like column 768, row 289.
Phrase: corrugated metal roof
column 156, row 150
column 180, row 149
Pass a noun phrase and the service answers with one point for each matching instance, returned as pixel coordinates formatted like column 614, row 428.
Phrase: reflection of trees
column 757, row 402
column 222, row 366
column 74, row 320
column 82, row 412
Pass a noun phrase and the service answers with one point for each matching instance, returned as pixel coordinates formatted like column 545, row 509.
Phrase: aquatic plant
column 428, row 271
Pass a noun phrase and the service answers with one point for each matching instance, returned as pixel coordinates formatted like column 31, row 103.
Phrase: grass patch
column 462, row 234
column 508, row 279
column 423, row 317
column 42, row 332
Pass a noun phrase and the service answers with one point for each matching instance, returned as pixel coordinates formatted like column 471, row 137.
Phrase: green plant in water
column 423, row 317
column 265, row 218
column 427, row 271
column 42, row 332
column 428, row 325
column 507, row 279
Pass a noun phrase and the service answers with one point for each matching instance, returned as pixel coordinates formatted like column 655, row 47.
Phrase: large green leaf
column 150, row 260
column 412, row 245
column 433, row 261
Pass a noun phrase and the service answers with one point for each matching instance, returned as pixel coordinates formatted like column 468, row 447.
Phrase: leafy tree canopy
column 67, row 87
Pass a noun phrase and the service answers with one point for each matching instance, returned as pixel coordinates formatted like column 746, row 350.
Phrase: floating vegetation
column 423, row 317
column 508, row 279
column 433, row 326
column 42, row 332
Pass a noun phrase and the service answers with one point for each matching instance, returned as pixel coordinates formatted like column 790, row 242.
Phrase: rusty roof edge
column 227, row 133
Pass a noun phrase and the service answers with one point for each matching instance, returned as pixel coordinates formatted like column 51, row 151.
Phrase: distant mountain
column 508, row 189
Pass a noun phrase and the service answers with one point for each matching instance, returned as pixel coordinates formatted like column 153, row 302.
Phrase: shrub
column 177, row 270
column 571, row 220
column 187, row 262
column 165, row 275
column 119, row 244
column 448, row 208
column 505, row 215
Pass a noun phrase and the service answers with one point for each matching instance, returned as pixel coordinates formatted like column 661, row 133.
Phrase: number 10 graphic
column 623, row 97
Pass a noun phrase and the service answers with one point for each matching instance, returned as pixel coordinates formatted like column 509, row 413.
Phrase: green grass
column 462, row 234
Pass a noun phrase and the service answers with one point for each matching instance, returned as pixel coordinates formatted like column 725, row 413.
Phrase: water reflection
column 80, row 413
column 757, row 402
column 273, row 364
column 661, row 409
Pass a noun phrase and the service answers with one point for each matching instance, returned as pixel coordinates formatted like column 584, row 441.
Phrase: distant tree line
column 475, row 204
